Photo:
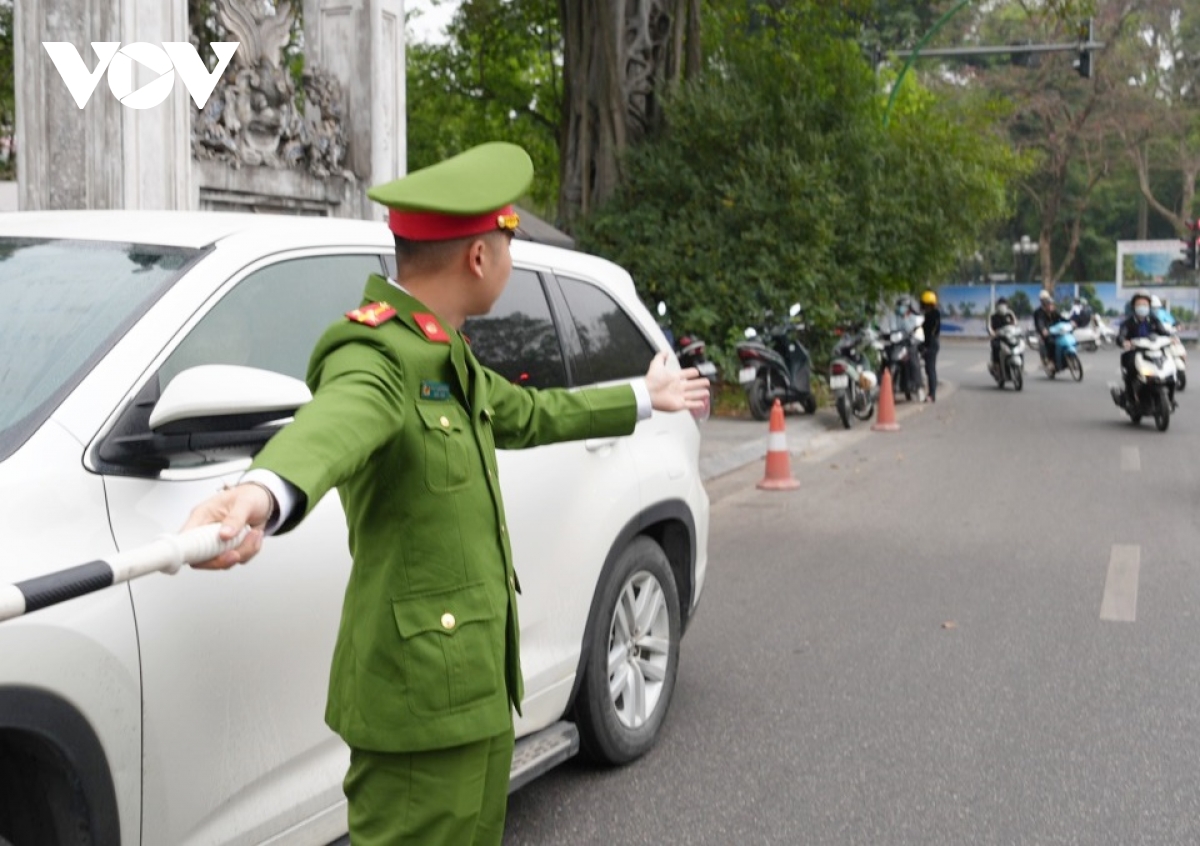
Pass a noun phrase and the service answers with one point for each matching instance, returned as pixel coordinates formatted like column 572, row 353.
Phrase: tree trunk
column 621, row 57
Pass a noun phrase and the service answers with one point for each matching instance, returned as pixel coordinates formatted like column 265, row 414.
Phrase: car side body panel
column 82, row 654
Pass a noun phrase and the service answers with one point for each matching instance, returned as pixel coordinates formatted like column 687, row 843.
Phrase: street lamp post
column 1024, row 247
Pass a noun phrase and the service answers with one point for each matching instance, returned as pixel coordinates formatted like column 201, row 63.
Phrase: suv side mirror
column 226, row 398
column 207, row 414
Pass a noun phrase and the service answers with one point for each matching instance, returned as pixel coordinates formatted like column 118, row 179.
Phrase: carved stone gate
column 250, row 148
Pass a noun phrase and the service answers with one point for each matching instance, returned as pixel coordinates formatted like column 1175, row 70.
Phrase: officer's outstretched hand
column 675, row 390
column 234, row 508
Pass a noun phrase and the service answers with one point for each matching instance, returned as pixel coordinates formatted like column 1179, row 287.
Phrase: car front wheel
column 633, row 657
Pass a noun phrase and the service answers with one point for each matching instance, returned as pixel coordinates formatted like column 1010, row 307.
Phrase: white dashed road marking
column 1131, row 459
column 1121, row 586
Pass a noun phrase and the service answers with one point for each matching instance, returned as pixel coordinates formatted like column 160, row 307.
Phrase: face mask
column 899, row 311
column 1141, row 311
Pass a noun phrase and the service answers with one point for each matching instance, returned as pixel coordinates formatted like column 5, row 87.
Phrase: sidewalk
column 730, row 443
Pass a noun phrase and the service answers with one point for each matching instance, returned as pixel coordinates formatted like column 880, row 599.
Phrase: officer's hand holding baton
column 235, row 508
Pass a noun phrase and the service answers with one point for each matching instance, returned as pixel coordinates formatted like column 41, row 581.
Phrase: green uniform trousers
column 443, row 797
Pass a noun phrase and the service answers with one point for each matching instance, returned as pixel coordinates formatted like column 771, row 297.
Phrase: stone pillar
column 104, row 155
column 361, row 42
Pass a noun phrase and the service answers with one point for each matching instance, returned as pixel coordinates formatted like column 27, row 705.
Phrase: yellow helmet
column 929, row 298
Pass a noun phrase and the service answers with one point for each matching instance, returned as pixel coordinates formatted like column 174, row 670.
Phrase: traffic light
column 1083, row 64
column 1191, row 260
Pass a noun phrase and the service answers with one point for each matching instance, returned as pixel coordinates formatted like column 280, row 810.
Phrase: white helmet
column 1155, row 302
column 1043, row 295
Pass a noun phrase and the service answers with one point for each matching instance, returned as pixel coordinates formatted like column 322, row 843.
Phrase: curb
column 725, row 462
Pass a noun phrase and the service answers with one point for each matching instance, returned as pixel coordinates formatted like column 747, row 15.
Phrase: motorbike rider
column 997, row 320
column 1141, row 323
column 1080, row 313
column 1045, row 316
column 1159, row 310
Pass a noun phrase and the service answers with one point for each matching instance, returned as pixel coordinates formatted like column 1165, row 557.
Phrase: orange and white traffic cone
column 886, row 421
column 779, row 461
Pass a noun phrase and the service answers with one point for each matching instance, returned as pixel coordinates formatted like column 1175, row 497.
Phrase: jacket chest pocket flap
column 451, row 646
column 448, row 443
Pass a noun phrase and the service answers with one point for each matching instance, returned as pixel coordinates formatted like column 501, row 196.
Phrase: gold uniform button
column 445, row 421
column 503, row 529
column 448, row 620
column 431, row 328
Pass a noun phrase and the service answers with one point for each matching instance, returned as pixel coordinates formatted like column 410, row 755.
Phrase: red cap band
column 435, row 226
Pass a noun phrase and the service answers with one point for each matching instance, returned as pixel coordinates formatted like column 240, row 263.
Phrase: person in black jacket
column 933, row 335
column 1141, row 323
column 1045, row 316
column 997, row 320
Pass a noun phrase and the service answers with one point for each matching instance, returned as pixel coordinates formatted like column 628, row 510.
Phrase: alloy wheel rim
column 639, row 644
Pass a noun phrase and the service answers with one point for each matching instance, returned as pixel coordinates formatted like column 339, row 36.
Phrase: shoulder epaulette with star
column 430, row 326
column 373, row 314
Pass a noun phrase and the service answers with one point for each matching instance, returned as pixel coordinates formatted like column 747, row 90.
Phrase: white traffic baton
column 165, row 555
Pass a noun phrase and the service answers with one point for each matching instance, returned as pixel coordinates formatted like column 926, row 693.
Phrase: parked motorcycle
column 897, row 355
column 1011, row 366
column 775, row 365
column 691, row 352
column 1063, row 353
column 853, row 383
column 1153, row 382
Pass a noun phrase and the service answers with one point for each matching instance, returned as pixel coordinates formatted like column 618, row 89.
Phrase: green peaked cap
column 480, row 180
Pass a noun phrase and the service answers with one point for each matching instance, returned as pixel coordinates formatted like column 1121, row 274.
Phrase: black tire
column 1180, row 380
column 42, row 800
column 1162, row 410
column 1091, row 346
column 843, row 409
column 1018, row 378
column 1076, row 367
column 610, row 729
column 868, row 406
column 757, row 398
column 809, row 404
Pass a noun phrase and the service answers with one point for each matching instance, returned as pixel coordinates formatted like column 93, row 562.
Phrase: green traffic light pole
column 1085, row 45
column 915, row 52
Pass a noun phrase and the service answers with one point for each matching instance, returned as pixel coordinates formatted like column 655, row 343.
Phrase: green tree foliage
column 774, row 181
column 497, row 78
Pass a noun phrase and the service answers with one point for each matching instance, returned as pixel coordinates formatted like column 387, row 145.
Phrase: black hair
column 430, row 256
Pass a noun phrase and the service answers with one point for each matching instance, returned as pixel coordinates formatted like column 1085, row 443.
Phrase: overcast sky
column 431, row 22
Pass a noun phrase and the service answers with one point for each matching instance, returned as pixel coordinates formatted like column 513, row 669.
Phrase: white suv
column 188, row 708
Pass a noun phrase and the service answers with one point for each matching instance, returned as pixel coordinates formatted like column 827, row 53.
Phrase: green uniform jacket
column 406, row 428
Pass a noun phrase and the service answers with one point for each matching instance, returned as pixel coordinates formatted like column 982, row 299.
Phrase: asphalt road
column 982, row 629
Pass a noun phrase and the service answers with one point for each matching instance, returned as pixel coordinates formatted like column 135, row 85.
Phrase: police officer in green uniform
column 404, row 422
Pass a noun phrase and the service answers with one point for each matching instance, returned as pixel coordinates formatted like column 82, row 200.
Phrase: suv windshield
column 63, row 304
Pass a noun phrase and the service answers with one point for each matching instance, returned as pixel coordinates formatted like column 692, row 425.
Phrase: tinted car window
column 613, row 346
column 274, row 316
column 517, row 338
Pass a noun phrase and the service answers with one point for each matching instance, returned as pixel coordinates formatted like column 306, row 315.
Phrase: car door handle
column 597, row 444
